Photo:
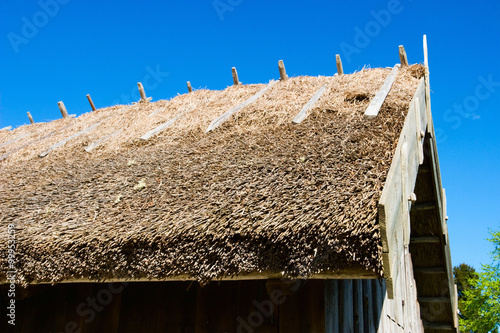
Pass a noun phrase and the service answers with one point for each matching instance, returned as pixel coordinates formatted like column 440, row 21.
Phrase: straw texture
column 256, row 194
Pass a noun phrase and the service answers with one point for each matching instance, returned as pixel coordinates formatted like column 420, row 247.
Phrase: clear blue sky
column 52, row 50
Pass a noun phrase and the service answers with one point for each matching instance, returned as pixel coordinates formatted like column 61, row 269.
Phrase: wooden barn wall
column 364, row 306
column 229, row 306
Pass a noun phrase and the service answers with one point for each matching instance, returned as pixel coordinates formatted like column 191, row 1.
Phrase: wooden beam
column 424, row 240
column 433, row 299
column 13, row 140
column 424, row 206
column 62, row 142
column 160, row 128
column 222, row 118
column 303, row 113
column 142, row 92
column 340, row 69
column 326, row 275
column 6, row 128
column 236, row 81
column 375, row 105
column 402, row 56
column 190, row 89
column 438, row 326
column 63, row 110
column 97, row 143
column 91, row 103
column 430, row 270
column 30, row 117
column 281, row 67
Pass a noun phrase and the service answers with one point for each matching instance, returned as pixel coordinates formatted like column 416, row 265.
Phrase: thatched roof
column 258, row 194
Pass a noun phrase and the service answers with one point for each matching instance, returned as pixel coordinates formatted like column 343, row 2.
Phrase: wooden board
column 378, row 100
column 160, row 128
column 223, row 117
column 393, row 206
column 303, row 113
column 62, row 142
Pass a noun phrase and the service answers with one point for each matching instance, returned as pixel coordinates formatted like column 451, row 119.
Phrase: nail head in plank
column 303, row 113
column 340, row 69
column 190, row 89
column 282, row 70
column 219, row 120
column 91, row 102
column 235, row 76
column 30, row 117
column 63, row 110
column 62, row 142
column 373, row 109
column 402, row 56
column 160, row 128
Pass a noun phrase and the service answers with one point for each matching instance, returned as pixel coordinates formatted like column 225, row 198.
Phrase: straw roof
column 258, row 194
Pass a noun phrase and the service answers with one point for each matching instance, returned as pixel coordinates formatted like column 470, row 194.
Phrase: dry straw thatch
column 257, row 194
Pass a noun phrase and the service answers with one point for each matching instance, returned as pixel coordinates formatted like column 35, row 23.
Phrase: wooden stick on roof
column 190, row 89
column 377, row 101
column 62, row 108
column 91, row 102
column 223, row 117
column 6, row 128
column 282, row 70
column 97, row 143
column 142, row 92
column 30, row 117
column 235, row 76
column 303, row 113
column 160, row 128
column 402, row 56
column 340, row 69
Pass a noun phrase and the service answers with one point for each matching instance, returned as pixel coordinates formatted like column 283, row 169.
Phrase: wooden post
column 402, row 56
column 62, row 108
column 282, row 69
column 91, row 103
column 30, row 118
column 235, row 76
column 190, row 89
column 340, row 69
column 142, row 92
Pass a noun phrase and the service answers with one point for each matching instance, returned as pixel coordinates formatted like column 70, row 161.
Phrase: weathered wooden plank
column 190, row 89
column 282, row 70
column 373, row 109
column 222, row 118
column 359, row 321
column 30, row 117
column 338, row 61
column 332, row 306
column 6, row 128
column 402, row 56
column 91, row 102
column 160, row 128
column 62, row 142
column 13, row 140
column 368, row 308
column 314, row 99
column 424, row 206
column 346, row 306
column 236, row 81
column 97, row 143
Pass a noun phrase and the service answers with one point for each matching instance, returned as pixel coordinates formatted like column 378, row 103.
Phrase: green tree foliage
column 480, row 301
